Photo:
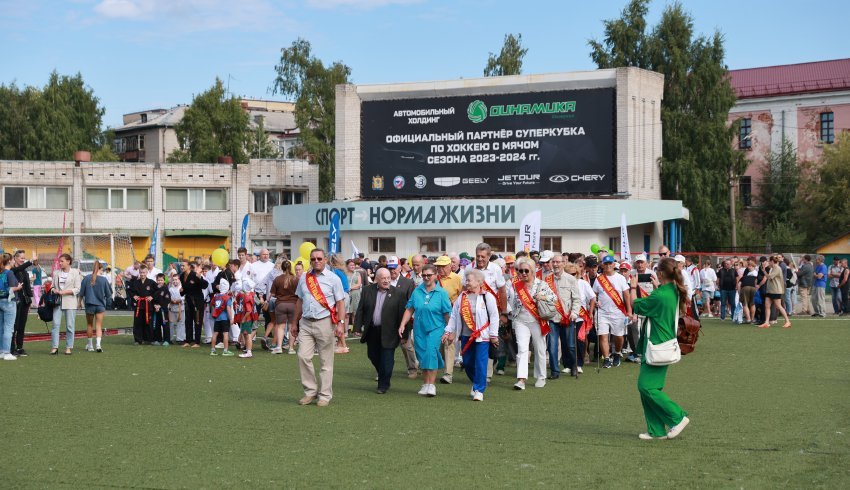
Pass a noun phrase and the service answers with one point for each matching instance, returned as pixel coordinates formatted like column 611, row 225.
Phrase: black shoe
column 98, row 350
column 617, row 361
column 54, row 352
column 606, row 364
column 554, row 376
column 21, row 353
column 381, row 391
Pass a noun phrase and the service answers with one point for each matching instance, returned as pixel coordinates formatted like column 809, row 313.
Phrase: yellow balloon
column 305, row 249
column 220, row 257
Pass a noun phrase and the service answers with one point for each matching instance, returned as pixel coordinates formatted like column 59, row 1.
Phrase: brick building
column 808, row 104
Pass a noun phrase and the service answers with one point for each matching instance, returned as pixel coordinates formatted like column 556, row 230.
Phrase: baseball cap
column 640, row 258
column 608, row 259
column 679, row 258
column 443, row 260
column 392, row 263
column 591, row 261
column 224, row 285
column 510, row 259
column 546, row 256
column 626, row 265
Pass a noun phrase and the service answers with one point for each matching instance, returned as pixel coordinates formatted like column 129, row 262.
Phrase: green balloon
column 594, row 249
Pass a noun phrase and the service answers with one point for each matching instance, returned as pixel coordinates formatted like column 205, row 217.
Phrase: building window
column 195, row 200
column 827, row 127
column 36, row 198
column 117, row 198
column 745, row 140
column 745, row 188
column 552, row 243
column 141, row 142
column 432, row 244
column 501, row 244
column 265, row 201
column 273, row 246
column 614, row 244
column 381, row 244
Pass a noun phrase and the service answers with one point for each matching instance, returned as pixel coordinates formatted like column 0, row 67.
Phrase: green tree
column 104, row 152
column 259, row 145
column 778, row 188
column 50, row 123
column 313, row 85
column 822, row 206
column 213, row 125
column 698, row 160
column 509, row 61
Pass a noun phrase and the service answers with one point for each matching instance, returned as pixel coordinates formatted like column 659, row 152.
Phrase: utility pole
column 732, row 209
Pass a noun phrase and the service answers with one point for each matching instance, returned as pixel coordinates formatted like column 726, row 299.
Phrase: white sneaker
column 478, row 397
column 579, row 370
column 276, row 350
column 9, row 357
column 423, row 391
column 646, row 437
column 500, row 372
column 291, row 351
column 567, row 371
column 219, row 345
column 246, row 355
column 432, row 390
column 89, row 348
column 472, row 392
column 520, row 385
column 678, row 428
column 540, row 383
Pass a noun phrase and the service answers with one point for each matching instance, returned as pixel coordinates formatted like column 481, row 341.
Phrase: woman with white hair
column 527, row 323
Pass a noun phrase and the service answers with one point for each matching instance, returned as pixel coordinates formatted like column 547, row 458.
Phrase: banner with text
column 529, row 231
column 560, row 142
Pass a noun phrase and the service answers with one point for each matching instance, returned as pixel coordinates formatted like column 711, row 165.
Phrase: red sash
column 218, row 310
column 146, row 300
column 539, row 274
column 613, row 294
column 487, row 289
column 318, row 295
column 550, row 280
column 529, row 304
column 586, row 325
column 469, row 320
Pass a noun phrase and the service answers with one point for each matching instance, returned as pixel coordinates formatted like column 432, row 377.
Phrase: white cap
column 392, row 263
column 546, row 256
column 640, row 257
column 247, row 285
column 223, row 286
column 236, row 286
column 679, row 258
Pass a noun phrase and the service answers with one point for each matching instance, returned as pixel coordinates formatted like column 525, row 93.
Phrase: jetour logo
column 477, row 111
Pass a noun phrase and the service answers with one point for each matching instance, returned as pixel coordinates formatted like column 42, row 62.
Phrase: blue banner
column 333, row 236
column 244, row 236
column 154, row 240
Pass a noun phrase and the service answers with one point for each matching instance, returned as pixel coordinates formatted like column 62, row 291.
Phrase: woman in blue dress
column 431, row 306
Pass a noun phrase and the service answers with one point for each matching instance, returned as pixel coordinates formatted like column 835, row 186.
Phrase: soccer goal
column 114, row 249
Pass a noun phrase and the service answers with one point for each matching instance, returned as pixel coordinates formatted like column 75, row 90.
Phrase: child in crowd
column 221, row 310
column 142, row 291
column 245, row 315
column 175, row 308
column 505, row 348
column 161, row 300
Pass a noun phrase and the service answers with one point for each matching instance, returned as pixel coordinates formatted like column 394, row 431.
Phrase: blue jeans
column 475, row 363
column 836, row 300
column 557, row 333
column 8, row 311
column 727, row 297
column 70, row 318
column 790, row 294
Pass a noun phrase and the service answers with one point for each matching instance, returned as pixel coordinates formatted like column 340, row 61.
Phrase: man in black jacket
column 193, row 285
column 405, row 286
column 24, row 296
column 379, row 313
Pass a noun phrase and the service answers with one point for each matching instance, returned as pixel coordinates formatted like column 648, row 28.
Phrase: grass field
column 112, row 319
column 769, row 409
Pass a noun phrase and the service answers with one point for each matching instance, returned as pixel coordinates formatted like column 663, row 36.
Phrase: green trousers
column 659, row 410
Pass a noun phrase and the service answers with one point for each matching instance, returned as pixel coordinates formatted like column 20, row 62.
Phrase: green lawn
column 111, row 320
column 769, row 409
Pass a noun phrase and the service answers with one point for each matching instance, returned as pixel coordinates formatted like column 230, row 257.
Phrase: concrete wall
column 639, row 94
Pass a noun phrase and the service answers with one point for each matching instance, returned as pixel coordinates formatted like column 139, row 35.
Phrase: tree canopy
column 306, row 78
column 822, row 207
column 509, row 60
column 698, row 160
column 52, row 122
column 214, row 125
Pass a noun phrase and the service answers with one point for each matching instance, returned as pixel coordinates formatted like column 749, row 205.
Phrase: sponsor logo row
column 420, row 181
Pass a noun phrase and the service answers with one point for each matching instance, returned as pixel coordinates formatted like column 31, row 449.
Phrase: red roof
column 802, row 78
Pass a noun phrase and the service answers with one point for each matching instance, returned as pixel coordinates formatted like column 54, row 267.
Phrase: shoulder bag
column 665, row 353
column 545, row 308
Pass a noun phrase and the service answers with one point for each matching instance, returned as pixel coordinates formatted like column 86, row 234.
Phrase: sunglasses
column 663, row 254
column 426, row 276
column 316, row 259
column 523, row 271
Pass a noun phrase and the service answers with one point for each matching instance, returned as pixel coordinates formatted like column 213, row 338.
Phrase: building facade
column 807, row 104
column 587, row 151
column 198, row 207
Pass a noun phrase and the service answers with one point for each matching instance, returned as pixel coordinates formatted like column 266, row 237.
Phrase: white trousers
column 524, row 333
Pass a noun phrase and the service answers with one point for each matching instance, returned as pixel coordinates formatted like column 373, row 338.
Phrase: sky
column 145, row 54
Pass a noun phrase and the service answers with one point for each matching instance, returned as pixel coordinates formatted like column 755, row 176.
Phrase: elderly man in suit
column 378, row 315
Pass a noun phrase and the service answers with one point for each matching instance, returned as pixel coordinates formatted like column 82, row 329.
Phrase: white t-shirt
column 492, row 276
column 687, row 280
column 607, row 306
column 586, row 293
column 709, row 279
column 259, row 270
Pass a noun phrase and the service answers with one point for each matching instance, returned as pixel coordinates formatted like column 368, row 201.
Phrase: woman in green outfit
column 660, row 308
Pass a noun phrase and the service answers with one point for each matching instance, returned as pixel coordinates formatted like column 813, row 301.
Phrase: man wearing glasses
column 319, row 316
column 614, row 302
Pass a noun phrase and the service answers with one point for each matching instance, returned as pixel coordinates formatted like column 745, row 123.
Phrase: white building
column 581, row 147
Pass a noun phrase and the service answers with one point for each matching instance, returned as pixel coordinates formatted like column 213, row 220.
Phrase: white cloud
column 193, row 15
column 362, row 4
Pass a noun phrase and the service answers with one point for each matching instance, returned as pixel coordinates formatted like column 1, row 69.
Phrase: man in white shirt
column 615, row 307
column 708, row 278
column 494, row 280
column 686, row 278
column 152, row 271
